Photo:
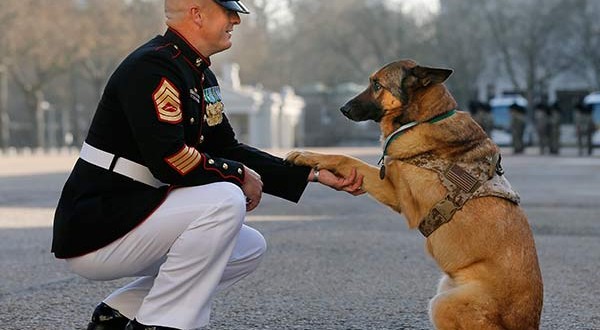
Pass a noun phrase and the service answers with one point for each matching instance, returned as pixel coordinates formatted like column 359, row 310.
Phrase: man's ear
column 196, row 15
column 427, row 76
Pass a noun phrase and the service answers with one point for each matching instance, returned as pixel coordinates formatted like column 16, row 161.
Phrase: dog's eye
column 376, row 86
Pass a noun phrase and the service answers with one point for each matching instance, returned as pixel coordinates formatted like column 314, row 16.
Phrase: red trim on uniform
column 159, row 204
column 204, row 58
column 163, row 46
column 177, row 53
column 221, row 174
column 177, row 50
column 171, row 187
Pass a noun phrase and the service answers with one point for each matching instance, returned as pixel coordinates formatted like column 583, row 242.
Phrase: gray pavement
column 334, row 261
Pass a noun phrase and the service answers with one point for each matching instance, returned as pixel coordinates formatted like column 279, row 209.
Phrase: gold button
column 240, row 171
column 176, row 47
column 198, row 61
column 225, row 166
column 201, row 139
column 211, row 161
column 192, row 120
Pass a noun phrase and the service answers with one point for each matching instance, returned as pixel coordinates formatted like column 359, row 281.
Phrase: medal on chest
column 214, row 106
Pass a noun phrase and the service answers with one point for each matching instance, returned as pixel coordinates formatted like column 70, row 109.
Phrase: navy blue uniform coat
column 161, row 108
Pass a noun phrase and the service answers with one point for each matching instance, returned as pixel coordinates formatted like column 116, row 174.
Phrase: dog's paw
column 302, row 158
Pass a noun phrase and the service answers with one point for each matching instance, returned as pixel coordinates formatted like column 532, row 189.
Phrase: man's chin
column 225, row 46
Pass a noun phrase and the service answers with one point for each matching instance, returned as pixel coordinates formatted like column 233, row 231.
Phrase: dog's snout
column 345, row 110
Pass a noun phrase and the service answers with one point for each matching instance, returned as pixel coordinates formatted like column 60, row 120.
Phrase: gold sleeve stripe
column 185, row 160
column 167, row 103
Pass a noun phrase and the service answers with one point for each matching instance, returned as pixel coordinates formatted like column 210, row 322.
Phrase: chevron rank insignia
column 167, row 103
column 185, row 160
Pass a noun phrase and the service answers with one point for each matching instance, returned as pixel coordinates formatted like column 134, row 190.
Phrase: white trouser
column 192, row 246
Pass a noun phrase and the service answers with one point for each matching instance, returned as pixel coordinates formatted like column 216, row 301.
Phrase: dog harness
column 463, row 181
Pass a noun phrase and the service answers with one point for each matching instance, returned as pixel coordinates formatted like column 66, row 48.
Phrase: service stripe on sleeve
column 184, row 160
column 167, row 103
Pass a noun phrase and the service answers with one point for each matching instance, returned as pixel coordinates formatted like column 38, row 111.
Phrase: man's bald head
column 177, row 10
column 205, row 24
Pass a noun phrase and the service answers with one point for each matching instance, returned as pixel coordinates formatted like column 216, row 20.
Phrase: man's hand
column 351, row 184
column 252, row 188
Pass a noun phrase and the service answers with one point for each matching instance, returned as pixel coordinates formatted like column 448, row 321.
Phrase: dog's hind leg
column 465, row 306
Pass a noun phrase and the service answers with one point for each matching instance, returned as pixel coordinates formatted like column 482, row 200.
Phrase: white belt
column 121, row 165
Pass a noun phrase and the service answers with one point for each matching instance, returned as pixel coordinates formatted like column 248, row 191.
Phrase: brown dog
column 442, row 171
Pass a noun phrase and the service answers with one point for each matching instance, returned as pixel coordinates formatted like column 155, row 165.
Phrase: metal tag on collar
column 382, row 168
column 389, row 140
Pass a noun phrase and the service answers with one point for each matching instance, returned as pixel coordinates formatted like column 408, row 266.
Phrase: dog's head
column 393, row 93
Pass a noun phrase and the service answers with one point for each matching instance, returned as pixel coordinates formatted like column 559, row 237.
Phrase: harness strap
column 464, row 185
column 441, row 213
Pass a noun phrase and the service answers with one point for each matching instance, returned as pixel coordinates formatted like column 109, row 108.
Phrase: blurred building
column 325, row 125
column 261, row 118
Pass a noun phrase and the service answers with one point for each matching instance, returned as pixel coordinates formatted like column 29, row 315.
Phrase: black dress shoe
column 135, row 325
column 106, row 318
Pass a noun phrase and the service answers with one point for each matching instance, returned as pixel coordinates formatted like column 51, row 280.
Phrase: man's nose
column 235, row 18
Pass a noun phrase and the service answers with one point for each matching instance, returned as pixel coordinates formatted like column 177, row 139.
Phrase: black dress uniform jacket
column 161, row 108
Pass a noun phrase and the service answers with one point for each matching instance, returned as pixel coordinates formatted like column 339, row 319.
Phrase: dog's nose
column 345, row 110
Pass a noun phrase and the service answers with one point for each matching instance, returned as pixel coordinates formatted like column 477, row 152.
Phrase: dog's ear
column 427, row 75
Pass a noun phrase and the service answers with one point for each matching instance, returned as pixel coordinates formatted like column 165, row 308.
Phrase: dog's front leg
column 342, row 165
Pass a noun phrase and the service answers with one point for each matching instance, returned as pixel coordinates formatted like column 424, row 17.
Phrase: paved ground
column 334, row 261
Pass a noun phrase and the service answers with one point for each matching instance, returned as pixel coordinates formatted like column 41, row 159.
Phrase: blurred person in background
column 541, row 114
column 486, row 118
column 162, row 186
column 585, row 128
column 554, row 115
column 482, row 113
column 518, row 121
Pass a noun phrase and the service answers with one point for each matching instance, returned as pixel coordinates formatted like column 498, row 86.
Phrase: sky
column 418, row 5
column 421, row 8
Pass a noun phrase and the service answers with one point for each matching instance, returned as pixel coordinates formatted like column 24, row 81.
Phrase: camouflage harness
column 463, row 181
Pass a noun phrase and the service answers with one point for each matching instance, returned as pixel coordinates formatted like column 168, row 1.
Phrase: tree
column 107, row 31
column 38, row 52
column 6, row 20
column 346, row 40
column 587, row 33
column 531, row 45
column 460, row 35
column 322, row 41
column 254, row 46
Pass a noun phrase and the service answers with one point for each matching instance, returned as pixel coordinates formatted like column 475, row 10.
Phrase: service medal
column 214, row 113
